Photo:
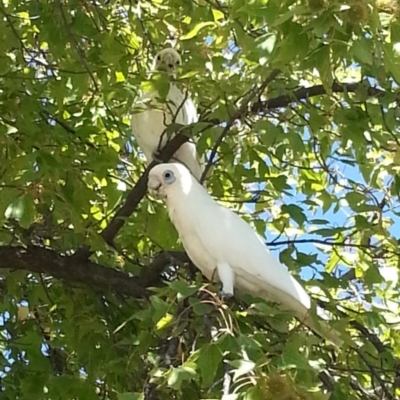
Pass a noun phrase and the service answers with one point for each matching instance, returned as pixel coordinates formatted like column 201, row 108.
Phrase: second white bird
column 149, row 125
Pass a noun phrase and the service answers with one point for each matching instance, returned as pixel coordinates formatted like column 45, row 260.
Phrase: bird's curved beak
column 153, row 184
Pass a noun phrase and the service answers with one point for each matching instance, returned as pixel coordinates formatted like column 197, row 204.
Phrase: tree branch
column 307, row 92
column 71, row 270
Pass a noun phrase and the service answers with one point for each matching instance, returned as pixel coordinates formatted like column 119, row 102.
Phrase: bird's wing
column 149, row 124
column 187, row 114
column 190, row 112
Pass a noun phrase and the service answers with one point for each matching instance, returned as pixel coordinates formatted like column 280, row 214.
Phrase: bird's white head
column 167, row 60
column 166, row 179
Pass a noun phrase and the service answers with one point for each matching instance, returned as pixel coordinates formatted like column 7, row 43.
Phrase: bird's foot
column 157, row 157
column 225, row 295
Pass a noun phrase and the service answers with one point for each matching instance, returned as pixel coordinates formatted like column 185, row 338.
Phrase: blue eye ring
column 168, row 177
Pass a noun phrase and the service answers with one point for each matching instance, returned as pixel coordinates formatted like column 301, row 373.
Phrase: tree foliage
column 300, row 126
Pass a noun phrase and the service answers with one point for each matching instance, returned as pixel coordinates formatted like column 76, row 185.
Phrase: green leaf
column 338, row 393
column 179, row 375
column 269, row 133
column 332, row 263
column 15, row 209
column 217, row 15
column 165, row 321
column 296, row 142
column 297, row 44
column 161, row 84
column 321, row 60
column 7, row 197
column 356, row 200
column 119, row 76
column 362, row 50
column 201, row 308
column 279, row 183
column 293, row 358
column 266, row 42
column 290, row 14
column 306, row 259
column 184, row 289
column 254, row 393
column 194, row 32
column 295, row 212
column 161, row 308
column 391, row 62
column 210, row 358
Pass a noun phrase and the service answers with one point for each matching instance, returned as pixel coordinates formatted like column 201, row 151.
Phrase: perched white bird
column 149, row 125
column 218, row 240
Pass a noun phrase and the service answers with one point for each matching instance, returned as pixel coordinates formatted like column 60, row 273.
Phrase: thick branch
column 154, row 270
column 307, row 92
column 71, row 270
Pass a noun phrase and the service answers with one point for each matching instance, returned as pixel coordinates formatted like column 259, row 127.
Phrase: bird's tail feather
column 316, row 319
column 322, row 328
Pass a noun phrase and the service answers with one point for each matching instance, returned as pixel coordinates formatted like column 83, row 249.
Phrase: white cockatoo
column 219, row 241
column 149, row 125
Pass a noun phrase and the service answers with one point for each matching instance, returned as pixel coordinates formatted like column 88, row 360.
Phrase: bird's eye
column 178, row 62
column 158, row 58
column 169, row 177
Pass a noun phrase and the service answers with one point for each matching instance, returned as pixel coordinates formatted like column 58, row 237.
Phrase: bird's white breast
column 184, row 219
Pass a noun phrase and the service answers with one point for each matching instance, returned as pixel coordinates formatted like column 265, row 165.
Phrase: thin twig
column 78, row 49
